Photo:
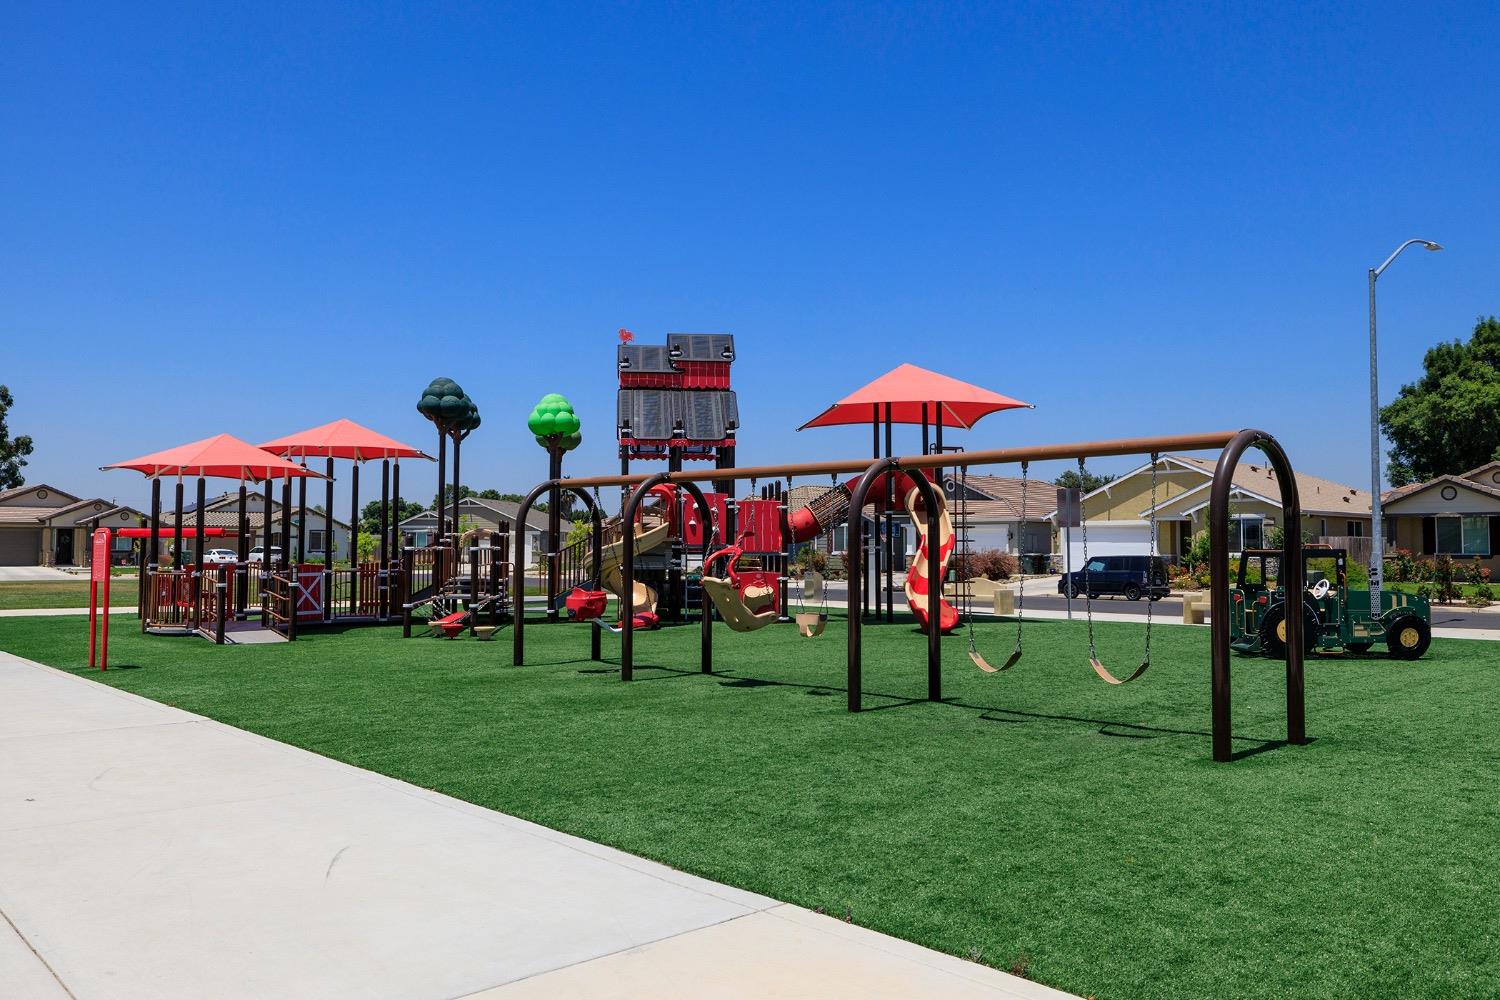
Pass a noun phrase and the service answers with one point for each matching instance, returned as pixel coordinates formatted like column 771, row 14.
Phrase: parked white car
column 258, row 554
column 219, row 556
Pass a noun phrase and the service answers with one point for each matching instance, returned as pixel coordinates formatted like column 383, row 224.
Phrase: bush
column 1444, row 580
column 810, row 559
column 992, row 564
column 1481, row 595
column 1198, row 550
column 1403, row 566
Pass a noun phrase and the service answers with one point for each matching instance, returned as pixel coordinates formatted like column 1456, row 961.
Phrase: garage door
column 20, row 546
column 989, row 536
column 1110, row 540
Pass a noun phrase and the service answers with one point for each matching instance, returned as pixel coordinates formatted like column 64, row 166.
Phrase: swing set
column 929, row 496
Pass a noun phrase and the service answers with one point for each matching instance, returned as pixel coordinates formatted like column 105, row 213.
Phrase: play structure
column 915, row 472
column 297, row 582
column 1335, row 619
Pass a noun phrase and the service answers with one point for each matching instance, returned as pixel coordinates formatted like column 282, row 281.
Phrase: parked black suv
column 1123, row 575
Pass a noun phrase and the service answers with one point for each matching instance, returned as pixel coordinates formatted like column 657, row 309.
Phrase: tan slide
column 647, row 538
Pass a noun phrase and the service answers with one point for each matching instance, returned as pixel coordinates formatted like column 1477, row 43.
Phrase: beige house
column 44, row 526
column 1119, row 514
column 1449, row 515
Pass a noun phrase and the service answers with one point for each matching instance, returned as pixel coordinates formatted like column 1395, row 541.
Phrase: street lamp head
column 1431, row 245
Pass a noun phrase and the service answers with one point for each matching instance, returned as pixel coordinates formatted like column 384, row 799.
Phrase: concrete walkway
column 149, row 853
column 34, row 574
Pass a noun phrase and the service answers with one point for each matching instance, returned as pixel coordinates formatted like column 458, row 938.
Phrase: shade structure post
column 383, row 571
column 890, row 526
column 286, row 522
column 554, row 535
column 302, row 519
column 266, row 564
column 153, row 557
column 354, row 536
column 177, row 527
column 242, row 553
column 328, row 547
column 398, row 590
column 201, row 512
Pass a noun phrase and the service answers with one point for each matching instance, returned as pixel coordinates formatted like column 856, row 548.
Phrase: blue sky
column 1143, row 219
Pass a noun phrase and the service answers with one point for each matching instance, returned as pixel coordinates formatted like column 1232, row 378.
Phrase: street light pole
column 1377, row 528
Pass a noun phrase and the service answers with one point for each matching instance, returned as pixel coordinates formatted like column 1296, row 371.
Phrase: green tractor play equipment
column 1335, row 619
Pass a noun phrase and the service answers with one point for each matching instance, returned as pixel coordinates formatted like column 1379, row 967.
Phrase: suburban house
column 1450, row 515
column 44, row 526
column 223, row 511
column 478, row 512
column 1118, row 514
column 1009, row 514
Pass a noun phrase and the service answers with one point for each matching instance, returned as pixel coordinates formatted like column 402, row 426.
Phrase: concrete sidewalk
column 149, row 853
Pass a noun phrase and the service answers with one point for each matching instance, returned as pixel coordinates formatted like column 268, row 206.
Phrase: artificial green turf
column 28, row 595
column 1038, row 813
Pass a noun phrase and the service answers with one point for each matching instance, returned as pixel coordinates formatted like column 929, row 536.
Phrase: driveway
column 33, row 574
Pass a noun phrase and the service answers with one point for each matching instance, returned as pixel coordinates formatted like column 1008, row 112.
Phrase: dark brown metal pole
column 197, row 576
column 354, row 562
column 382, row 572
column 177, row 528
column 442, row 493
column 286, row 525
column 153, row 557
column 518, row 580
column 242, row 552
column 458, row 440
column 302, row 516
column 328, row 547
column 890, row 526
column 554, row 533
column 871, row 530
column 397, row 589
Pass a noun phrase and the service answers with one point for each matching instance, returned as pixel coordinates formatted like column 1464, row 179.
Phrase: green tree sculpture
column 554, row 423
column 455, row 416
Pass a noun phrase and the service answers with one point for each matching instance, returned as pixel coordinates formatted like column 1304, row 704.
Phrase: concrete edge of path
column 740, row 945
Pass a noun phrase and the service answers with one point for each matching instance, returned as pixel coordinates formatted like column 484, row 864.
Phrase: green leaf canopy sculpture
column 554, row 423
column 445, row 403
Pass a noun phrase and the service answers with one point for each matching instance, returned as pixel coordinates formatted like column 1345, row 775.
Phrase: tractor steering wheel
column 1320, row 589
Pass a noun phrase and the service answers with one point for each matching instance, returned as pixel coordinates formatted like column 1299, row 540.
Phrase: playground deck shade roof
column 223, row 456
column 651, row 414
column 906, row 389
column 342, row 439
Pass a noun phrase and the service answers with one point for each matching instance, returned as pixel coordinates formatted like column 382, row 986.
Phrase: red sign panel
column 99, row 588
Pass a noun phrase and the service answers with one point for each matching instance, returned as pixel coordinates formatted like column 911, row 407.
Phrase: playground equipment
column 1335, row 619
column 812, row 623
column 967, row 588
column 1232, row 446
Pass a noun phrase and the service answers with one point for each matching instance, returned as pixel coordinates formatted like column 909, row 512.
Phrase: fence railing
column 279, row 602
column 170, row 599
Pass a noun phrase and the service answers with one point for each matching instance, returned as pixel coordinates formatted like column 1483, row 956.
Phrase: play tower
column 676, row 405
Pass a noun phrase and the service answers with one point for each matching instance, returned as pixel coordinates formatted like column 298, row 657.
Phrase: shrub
column 1443, row 579
column 992, row 564
column 1198, row 549
column 809, row 558
column 1403, row 566
column 1481, row 595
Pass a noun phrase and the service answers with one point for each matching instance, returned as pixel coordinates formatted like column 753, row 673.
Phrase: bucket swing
column 1088, row 601
column 810, row 623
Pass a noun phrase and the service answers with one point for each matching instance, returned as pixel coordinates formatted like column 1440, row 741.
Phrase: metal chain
column 1021, row 555
column 1088, row 583
column 1151, row 562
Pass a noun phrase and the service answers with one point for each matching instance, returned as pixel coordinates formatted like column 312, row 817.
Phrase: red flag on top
column 626, row 336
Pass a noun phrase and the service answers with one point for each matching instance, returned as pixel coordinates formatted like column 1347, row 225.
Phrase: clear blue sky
column 1143, row 219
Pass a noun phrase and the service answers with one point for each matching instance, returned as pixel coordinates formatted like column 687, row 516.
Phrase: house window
column 1463, row 536
column 841, row 538
column 1354, row 529
column 1388, row 528
column 1246, row 533
column 315, row 539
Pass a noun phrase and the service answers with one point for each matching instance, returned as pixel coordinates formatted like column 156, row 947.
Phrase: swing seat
column 811, row 623
column 586, row 605
column 732, row 608
column 1110, row 678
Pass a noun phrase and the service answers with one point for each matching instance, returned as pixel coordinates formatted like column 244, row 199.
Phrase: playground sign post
column 99, row 575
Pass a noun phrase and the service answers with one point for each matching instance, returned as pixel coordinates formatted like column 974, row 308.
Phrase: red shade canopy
column 907, row 388
column 342, row 439
column 224, row 457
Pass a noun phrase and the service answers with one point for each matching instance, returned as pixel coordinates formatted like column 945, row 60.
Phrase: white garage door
column 20, row 546
column 989, row 536
column 1109, row 540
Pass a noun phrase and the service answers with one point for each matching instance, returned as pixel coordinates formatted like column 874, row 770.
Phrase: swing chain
column 1021, row 553
column 1151, row 562
column 1088, row 584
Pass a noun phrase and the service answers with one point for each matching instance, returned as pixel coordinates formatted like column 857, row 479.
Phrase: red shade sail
column 907, row 388
column 342, row 439
column 224, row 456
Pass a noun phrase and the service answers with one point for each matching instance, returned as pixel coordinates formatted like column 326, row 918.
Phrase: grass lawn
column 1038, row 818
column 26, row 595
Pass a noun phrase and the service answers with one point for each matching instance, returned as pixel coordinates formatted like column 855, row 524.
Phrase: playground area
column 1040, row 820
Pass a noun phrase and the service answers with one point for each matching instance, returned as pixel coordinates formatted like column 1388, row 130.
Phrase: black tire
column 1153, row 598
column 1407, row 637
column 1094, row 596
column 1132, row 592
column 1070, row 590
column 1273, row 632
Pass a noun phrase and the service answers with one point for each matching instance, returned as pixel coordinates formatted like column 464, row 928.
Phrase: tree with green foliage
column 1088, row 482
column 13, row 450
column 369, row 517
column 1448, row 421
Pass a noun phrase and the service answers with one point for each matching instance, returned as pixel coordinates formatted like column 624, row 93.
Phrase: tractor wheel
column 1273, row 632
column 1132, row 592
column 1408, row 637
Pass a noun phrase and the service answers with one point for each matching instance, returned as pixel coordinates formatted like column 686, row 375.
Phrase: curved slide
column 646, row 538
column 916, row 574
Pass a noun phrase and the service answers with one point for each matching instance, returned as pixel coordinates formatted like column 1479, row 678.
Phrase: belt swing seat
column 1088, row 600
column 974, row 654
